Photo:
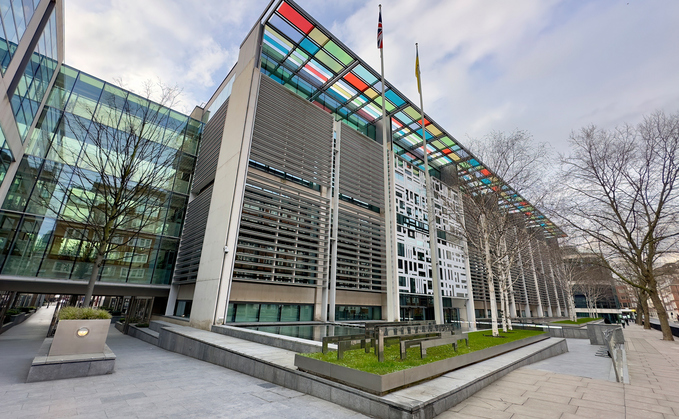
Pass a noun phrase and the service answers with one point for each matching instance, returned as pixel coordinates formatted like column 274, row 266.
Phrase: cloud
column 177, row 42
column 548, row 67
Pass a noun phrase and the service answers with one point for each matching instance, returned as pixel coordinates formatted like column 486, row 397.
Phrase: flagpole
column 431, row 214
column 393, row 310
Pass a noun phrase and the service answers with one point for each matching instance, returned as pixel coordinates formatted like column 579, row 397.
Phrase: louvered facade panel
column 193, row 234
column 208, row 155
column 292, row 135
column 361, row 170
column 360, row 249
column 283, row 233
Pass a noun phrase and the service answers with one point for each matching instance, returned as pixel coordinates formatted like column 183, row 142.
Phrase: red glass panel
column 314, row 71
column 355, row 81
column 295, row 18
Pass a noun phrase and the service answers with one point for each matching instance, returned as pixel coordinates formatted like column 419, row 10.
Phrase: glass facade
column 39, row 231
column 15, row 15
column 6, row 157
column 261, row 312
column 35, row 81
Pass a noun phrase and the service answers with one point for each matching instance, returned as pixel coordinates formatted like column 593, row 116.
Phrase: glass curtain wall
column 15, row 16
column 37, row 234
column 36, row 78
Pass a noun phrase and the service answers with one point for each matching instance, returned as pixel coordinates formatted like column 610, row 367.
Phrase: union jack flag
column 379, row 31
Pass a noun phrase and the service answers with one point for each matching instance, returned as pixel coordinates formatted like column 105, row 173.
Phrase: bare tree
column 622, row 198
column 490, row 219
column 593, row 290
column 566, row 273
column 123, row 162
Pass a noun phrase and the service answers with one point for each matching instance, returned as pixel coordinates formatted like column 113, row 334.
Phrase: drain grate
column 603, row 352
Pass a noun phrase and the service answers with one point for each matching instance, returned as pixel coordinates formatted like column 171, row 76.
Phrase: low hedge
column 83, row 313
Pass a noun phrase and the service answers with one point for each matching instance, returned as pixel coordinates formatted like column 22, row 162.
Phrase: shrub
column 12, row 312
column 85, row 313
column 142, row 325
column 26, row 309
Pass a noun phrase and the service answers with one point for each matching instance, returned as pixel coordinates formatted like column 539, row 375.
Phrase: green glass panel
column 328, row 61
column 338, row 52
column 447, row 141
column 439, row 145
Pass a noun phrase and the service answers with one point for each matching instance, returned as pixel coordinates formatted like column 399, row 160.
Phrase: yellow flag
column 417, row 72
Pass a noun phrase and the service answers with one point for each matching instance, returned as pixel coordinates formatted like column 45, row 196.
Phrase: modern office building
column 277, row 210
column 50, row 112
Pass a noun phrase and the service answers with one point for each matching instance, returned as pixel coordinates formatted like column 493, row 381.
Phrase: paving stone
column 599, row 404
column 645, row 414
column 485, row 413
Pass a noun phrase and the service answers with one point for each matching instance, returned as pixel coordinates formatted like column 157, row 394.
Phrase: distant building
column 594, row 282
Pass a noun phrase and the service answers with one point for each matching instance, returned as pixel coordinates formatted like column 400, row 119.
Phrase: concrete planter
column 383, row 384
column 67, row 342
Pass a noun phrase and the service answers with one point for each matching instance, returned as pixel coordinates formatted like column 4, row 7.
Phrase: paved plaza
column 153, row 383
column 148, row 382
column 544, row 391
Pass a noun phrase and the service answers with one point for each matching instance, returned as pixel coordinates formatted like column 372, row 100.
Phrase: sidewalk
column 19, row 345
column 148, row 382
column 548, row 393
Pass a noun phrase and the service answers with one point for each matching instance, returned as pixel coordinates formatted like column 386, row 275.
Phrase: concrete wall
column 272, row 293
column 357, row 298
column 214, row 273
column 186, row 292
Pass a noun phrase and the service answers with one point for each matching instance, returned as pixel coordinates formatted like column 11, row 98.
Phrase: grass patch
column 359, row 360
column 580, row 320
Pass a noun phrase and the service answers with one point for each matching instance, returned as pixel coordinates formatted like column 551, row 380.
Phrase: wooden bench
column 426, row 343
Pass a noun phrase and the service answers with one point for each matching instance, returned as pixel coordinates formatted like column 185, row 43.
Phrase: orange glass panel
column 355, row 81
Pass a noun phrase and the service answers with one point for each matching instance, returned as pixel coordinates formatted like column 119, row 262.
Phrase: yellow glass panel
column 410, row 111
column 433, row 130
column 341, row 91
column 371, row 93
column 318, row 36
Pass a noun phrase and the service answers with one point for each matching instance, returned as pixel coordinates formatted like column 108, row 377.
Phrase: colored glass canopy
column 302, row 55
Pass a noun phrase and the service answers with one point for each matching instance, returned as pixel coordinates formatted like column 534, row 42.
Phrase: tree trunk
column 662, row 315
column 571, row 303
column 640, row 312
column 643, row 298
column 503, row 298
column 93, row 279
column 509, row 318
column 491, row 282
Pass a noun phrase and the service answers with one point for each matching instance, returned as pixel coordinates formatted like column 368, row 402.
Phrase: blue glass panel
column 394, row 98
column 364, row 74
column 284, row 28
column 309, row 46
column 274, row 43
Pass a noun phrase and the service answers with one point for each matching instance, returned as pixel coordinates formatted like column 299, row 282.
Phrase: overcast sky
column 547, row 67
